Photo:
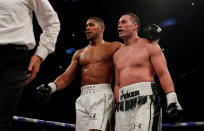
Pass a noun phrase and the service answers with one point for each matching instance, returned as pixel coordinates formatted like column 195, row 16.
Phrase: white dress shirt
column 16, row 24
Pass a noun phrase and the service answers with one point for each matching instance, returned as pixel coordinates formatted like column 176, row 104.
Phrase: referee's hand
column 33, row 68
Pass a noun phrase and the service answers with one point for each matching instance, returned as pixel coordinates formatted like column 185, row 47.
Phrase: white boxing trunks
column 93, row 107
column 138, row 108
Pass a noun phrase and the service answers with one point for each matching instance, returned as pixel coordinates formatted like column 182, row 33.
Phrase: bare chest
column 96, row 55
column 131, row 57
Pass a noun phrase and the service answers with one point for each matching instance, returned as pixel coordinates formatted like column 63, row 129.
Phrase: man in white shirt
column 16, row 38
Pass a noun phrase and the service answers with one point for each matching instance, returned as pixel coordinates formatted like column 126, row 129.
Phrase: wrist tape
column 53, row 86
column 171, row 98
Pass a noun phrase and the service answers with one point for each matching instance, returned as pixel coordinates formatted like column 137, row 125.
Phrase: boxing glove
column 174, row 109
column 152, row 32
column 44, row 91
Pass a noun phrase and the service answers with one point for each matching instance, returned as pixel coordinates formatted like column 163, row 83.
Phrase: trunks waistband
column 135, row 90
column 134, row 94
column 95, row 88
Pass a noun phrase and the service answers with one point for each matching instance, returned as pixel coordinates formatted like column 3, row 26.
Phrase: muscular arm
column 174, row 109
column 160, row 66
column 64, row 79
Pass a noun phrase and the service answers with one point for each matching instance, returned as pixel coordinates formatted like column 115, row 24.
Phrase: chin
column 89, row 38
column 121, row 36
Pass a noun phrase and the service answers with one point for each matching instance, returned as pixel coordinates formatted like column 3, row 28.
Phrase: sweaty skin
column 97, row 63
column 134, row 65
column 138, row 60
column 95, row 60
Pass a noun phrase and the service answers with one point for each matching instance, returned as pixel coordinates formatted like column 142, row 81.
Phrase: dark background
column 181, row 41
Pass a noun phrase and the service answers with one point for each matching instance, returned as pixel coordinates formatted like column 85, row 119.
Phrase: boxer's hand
column 152, row 32
column 174, row 109
column 44, row 91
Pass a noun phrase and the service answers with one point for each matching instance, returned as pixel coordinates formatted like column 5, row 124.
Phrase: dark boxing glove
column 174, row 109
column 44, row 91
column 152, row 32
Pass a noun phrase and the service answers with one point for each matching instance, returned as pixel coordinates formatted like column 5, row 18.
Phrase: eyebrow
column 90, row 23
column 122, row 20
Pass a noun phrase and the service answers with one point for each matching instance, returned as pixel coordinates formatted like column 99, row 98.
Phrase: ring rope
column 184, row 124
column 68, row 125
column 43, row 122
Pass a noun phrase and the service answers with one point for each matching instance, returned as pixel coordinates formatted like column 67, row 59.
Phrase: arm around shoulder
column 117, row 44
